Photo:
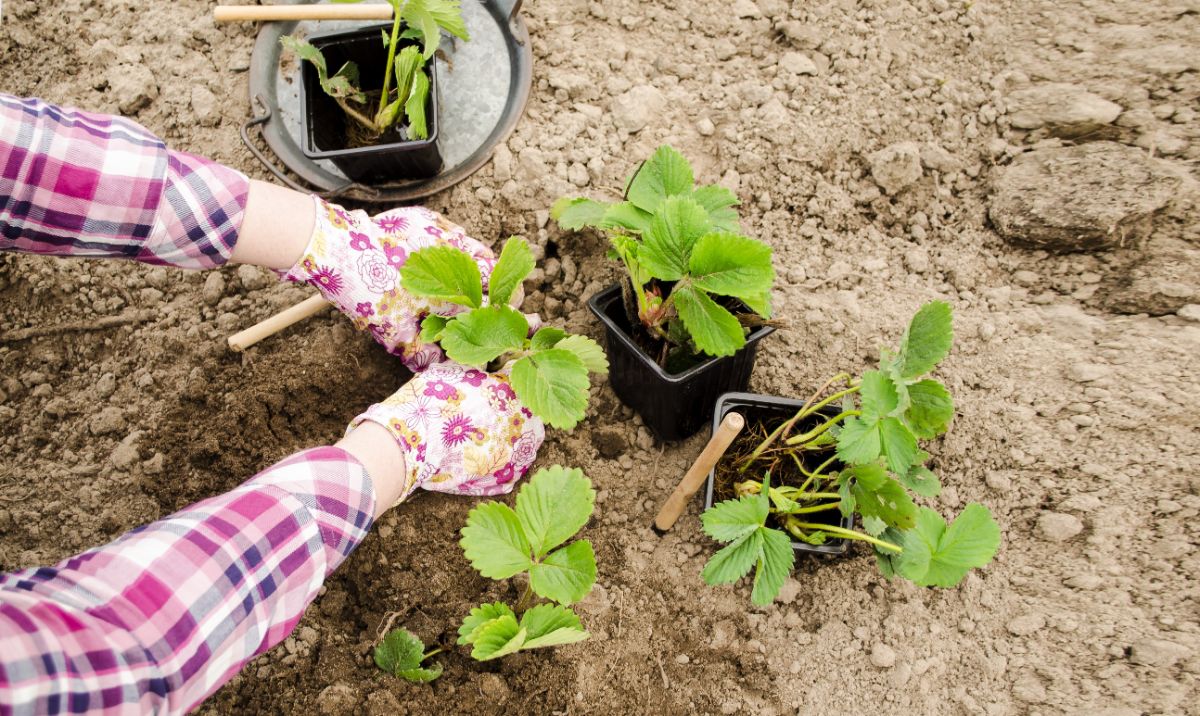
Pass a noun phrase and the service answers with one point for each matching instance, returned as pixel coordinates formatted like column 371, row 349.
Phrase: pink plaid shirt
column 81, row 184
column 162, row 617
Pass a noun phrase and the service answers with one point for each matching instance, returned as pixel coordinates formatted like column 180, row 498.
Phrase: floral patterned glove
column 462, row 430
column 354, row 260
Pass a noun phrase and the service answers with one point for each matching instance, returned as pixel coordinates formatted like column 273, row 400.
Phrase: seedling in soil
column 549, row 369
column 680, row 245
column 403, row 105
column 501, row 543
column 868, row 463
column 401, row 654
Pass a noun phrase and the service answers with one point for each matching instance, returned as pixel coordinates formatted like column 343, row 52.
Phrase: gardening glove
column 354, row 260
column 462, row 430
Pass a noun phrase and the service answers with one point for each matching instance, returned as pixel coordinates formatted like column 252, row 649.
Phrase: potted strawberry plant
column 375, row 117
column 684, row 323
column 796, row 483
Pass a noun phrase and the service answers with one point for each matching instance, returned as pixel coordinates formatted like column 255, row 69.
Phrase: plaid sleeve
column 75, row 183
column 158, row 620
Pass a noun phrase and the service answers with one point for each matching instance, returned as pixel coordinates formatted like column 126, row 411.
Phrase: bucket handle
column 258, row 120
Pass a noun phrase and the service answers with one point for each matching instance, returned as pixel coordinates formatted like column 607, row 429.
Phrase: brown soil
column 1077, row 424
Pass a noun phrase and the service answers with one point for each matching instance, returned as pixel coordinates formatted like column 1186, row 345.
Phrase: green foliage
column 549, row 370
column 401, row 653
column 681, row 246
column 751, row 545
column 422, row 20
column 501, row 542
column 875, row 435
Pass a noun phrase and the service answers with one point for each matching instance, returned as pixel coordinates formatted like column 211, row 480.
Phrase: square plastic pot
column 673, row 406
column 323, row 123
column 753, row 408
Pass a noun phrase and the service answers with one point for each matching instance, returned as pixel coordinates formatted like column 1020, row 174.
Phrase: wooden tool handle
column 721, row 440
column 250, row 13
column 310, row 306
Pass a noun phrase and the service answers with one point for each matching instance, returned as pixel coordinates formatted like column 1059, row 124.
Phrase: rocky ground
column 1032, row 162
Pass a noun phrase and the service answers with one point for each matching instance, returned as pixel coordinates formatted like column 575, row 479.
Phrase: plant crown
column 680, row 245
column 550, row 372
column 874, row 434
column 423, row 21
column 501, row 542
column 401, row 653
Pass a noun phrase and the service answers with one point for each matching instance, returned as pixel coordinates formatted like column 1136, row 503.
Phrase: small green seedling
column 874, row 435
column 404, row 105
column 680, row 245
column 549, row 369
column 501, row 543
column 401, row 653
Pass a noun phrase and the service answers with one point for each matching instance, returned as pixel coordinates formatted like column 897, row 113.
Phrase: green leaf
column 588, row 350
column 858, row 443
column 483, row 334
column 414, row 107
column 625, row 248
column 554, row 385
column 448, row 15
column 734, row 560
column 888, row 501
column 479, row 616
column 493, row 542
column 667, row 247
column 666, row 173
column 927, row 340
column 624, row 215
column 734, row 519
column 421, row 675
column 922, row 481
column 432, row 326
column 342, row 84
column 547, row 337
column 553, row 506
column 551, row 625
column 574, row 214
column 874, row 526
column 731, row 265
column 937, row 556
column 774, row 565
column 417, row 15
column 760, row 303
column 898, row 445
column 407, row 66
column 930, row 409
column 878, row 394
column 496, row 638
column 566, row 575
column 714, row 330
column 443, row 273
column 399, row 650
column 514, row 264
column 717, row 201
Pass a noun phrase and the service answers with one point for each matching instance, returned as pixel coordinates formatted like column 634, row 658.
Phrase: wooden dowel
column 310, row 306
column 712, row 452
column 250, row 13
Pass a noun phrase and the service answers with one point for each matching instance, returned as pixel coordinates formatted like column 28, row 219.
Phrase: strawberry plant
column 403, row 105
column 501, row 542
column 867, row 463
column 680, row 246
column 549, row 369
column 401, row 653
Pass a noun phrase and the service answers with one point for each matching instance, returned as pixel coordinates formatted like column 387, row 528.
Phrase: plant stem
column 840, row 532
column 356, row 115
column 805, row 410
column 431, row 653
column 820, row 429
column 815, row 508
column 523, row 602
column 397, row 10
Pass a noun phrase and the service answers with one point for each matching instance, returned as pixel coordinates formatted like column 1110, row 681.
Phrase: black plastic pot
column 323, row 123
column 775, row 410
column 673, row 406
